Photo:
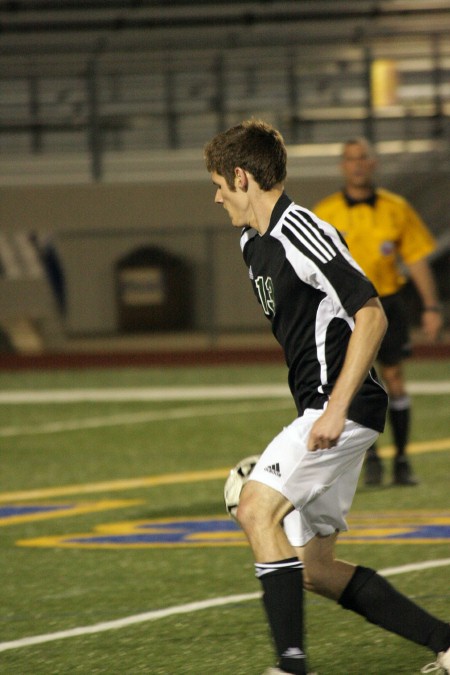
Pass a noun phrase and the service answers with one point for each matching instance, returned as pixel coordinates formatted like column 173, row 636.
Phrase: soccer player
column 329, row 321
column 380, row 227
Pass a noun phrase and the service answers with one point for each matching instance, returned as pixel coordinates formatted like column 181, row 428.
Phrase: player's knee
column 394, row 380
column 251, row 513
column 248, row 514
column 316, row 578
column 310, row 581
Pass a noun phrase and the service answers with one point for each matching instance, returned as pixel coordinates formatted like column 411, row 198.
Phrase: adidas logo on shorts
column 274, row 468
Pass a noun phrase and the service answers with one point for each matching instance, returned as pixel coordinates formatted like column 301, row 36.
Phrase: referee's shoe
column 403, row 474
column 401, row 470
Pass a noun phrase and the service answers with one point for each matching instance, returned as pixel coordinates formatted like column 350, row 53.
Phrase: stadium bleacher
column 162, row 75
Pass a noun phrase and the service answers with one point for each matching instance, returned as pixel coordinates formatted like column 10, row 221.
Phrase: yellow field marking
column 419, row 448
column 122, row 484
column 387, row 451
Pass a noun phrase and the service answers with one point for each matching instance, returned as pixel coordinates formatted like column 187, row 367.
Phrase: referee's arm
column 423, row 279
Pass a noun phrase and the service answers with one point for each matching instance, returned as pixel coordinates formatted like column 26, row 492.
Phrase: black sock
column 399, row 417
column 282, row 583
column 371, row 453
column 370, row 595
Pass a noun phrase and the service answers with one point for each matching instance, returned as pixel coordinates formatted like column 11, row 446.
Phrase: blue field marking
column 24, row 510
column 384, row 528
column 203, row 532
column 12, row 514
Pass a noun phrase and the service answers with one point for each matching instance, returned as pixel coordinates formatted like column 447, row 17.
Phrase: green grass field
column 110, row 468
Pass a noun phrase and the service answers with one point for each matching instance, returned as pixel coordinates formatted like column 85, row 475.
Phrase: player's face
column 358, row 165
column 235, row 202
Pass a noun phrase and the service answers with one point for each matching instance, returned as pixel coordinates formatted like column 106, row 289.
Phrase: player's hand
column 326, row 430
column 431, row 324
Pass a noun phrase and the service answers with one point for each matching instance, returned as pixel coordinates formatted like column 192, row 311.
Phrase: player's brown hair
column 254, row 146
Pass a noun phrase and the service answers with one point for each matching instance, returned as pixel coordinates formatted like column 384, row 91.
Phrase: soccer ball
column 236, row 480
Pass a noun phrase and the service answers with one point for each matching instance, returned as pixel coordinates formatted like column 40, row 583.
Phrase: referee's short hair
column 254, row 146
column 363, row 142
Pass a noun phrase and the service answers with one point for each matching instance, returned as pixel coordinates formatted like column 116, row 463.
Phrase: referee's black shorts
column 396, row 344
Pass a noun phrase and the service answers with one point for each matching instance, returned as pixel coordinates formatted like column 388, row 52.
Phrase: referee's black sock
column 399, row 417
column 370, row 595
column 282, row 583
column 371, row 452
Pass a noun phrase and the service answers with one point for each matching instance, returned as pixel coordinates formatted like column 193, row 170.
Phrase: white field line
column 181, row 609
column 160, row 394
column 219, row 393
column 142, row 418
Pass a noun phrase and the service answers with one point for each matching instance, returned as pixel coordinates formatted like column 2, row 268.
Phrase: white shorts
column 321, row 484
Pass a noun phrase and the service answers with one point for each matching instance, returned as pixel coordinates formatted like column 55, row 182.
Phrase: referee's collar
column 278, row 210
column 370, row 200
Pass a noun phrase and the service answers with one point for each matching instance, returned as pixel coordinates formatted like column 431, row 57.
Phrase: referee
column 380, row 228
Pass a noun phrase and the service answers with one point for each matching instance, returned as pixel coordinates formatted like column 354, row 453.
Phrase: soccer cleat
column 441, row 665
column 373, row 470
column 277, row 671
column 403, row 474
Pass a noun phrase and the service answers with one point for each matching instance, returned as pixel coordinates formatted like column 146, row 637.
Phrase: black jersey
column 310, row 288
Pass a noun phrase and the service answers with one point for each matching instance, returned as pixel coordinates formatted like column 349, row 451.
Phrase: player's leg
column 357, row 588
column 260, row 513
column 287, row 474
column 323, row 574
column 367, row 593
column 394, row 349
column 373, row 467
column 373, row 597
column 400, row 418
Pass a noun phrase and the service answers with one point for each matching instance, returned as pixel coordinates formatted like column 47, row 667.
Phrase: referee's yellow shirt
column 379, row 235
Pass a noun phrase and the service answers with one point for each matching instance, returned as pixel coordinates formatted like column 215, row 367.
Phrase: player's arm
column 370, row 327
column 423, row 279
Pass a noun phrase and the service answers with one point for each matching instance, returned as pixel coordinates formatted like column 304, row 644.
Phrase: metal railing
column 176, row 99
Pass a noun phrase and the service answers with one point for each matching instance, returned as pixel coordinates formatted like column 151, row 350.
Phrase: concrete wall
column 94, row 225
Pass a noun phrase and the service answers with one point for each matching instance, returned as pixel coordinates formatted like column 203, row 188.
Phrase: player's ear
column 241, row 179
